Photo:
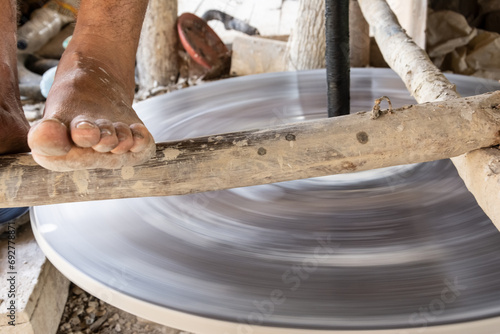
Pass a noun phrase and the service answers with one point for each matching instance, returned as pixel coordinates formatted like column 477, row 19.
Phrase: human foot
column 88, row 119
column 13, row 125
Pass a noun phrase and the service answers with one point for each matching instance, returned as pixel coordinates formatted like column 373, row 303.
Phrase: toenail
column 122, row 137
column 85, row 125
column 105, row 133
column 137, row 134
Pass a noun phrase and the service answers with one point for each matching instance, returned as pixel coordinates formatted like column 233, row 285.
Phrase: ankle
column 103, row 53
column 98, row 64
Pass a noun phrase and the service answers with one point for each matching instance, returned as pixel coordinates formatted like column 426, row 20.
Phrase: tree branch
column 322, row 147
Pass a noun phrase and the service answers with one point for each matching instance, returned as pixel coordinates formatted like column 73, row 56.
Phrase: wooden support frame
column 480, row 169
column 301, row 150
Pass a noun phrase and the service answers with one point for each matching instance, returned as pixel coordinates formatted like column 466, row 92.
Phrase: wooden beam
column 423, row 79
column 479, row 169
column 343, row 144
column 157, row 61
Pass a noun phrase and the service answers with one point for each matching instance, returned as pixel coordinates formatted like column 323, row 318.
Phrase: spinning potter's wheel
column 395, row 250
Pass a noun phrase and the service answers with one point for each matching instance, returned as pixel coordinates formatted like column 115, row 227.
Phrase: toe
column 84, row 132
column 108, row 140
column 142, row 137
column 49, row 138
column 125, row 138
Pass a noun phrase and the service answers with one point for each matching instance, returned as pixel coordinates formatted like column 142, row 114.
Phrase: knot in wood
column 362, row 137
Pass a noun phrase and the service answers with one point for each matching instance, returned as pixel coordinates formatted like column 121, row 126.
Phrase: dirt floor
column 85, row 314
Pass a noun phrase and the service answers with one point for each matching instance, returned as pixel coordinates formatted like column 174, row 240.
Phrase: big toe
column 49, row 138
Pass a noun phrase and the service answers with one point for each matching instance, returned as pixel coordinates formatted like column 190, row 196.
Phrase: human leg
column 88, row 119
column 13, row 124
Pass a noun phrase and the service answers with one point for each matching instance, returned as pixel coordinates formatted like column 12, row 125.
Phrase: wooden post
column 157, row 58
column 306, row 46
column 338, row 70
column 480, row 169
column 359, row 39
column 289, row 152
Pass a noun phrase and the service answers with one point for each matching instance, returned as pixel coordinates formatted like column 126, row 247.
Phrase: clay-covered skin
column 88, row 119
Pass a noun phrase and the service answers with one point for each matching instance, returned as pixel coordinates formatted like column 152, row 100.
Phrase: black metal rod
column 337, row 57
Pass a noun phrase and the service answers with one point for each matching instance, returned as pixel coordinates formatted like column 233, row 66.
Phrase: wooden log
column 344, row 144
column 423, row 79
column 478, row 169
column 157, row 58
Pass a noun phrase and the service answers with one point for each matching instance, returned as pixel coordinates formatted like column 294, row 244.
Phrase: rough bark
column 295, row 151
column 479, row 169
column 157, row 60
column 306, row 45
column 423, row 79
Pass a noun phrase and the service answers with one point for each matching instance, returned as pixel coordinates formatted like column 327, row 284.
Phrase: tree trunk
column 322, row 147
column 306, row 46
column 157, row 59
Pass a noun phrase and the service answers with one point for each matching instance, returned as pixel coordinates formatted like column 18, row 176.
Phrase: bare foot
column 13, row 124
column 88, row 119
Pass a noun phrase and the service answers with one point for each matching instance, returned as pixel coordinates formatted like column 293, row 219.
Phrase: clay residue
column 128, row 172
column 81, row 180
column 348, row 166
column 240, row 143
column 170, row 154
column 280, row 161
column 54, row 181
column 12, row 182
column 467, row 114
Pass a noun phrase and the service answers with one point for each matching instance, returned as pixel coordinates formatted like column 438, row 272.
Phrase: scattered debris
column 85, row 314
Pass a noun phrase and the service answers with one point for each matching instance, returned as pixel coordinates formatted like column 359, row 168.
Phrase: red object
column 200, row 41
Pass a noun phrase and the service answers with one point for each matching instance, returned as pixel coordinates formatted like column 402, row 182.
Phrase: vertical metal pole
column 337, row 57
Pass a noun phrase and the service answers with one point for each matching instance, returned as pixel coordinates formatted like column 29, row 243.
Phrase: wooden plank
column 253, row 55
column 294, row 151
column 40, row 290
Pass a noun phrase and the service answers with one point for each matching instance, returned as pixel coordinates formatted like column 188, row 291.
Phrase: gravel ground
column 85, row 314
